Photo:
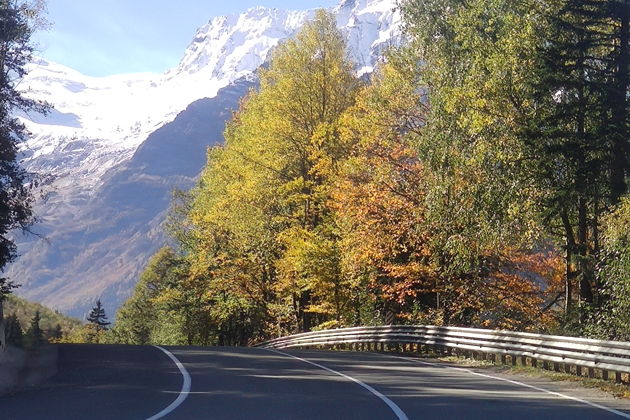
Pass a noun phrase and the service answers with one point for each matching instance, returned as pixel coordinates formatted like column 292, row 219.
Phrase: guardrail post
column 578, row 370
column 556, row 367
column 604, row 374
column 591, row 372
column 618, row 377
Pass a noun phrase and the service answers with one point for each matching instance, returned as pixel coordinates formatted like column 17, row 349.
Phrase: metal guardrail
column 573, row 353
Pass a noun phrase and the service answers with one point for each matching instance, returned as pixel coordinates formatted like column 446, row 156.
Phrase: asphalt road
column 132, row 382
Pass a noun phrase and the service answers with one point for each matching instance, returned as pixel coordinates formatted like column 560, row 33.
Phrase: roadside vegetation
column 477, row 178
column 618, row 390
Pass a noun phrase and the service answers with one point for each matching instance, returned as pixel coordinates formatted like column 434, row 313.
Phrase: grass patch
column 619, row 390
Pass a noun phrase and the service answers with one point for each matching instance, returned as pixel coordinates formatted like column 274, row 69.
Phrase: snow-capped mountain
column 100, row 125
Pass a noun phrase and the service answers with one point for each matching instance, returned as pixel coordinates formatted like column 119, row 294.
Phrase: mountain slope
column 113, row 149
column 25, row 311
column 101, row 249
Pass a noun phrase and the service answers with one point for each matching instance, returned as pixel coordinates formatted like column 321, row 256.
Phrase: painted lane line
column 392, row 405
column 183, row 394
column 557, row 394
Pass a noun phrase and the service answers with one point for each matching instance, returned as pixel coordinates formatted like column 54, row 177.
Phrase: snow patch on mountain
column 98, row 122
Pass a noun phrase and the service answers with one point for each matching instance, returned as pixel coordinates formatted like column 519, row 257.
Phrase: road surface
column 135, row 382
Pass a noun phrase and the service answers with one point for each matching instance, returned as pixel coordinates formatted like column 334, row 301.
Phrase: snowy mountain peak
column 233, row 45
column 358, row 5
column 115, row 114
column 230, row 46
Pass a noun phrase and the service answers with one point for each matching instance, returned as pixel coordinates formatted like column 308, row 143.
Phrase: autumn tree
column 261, row 207
column 481, row 206
column 394, row 224
column 334, row 202
column 379, row 198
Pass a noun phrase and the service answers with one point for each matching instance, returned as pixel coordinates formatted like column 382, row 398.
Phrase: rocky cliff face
column 114, row 148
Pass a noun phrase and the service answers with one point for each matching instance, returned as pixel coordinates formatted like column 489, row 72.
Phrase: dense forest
column 477, row 178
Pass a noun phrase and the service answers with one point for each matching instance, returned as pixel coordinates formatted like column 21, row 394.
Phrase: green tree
column 97, row 317
column 612, row 321
column 56, row 333
column 474, row 60
column 167, row 306
column 17, row 20
column 576, row 138
column 13, row 330
column 34, row 335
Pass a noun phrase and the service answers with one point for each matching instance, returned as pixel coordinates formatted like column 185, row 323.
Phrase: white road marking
column 557, row 394
column 399, row 413
column 183, row 394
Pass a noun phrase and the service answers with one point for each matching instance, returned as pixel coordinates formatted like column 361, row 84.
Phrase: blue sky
column 104, row 37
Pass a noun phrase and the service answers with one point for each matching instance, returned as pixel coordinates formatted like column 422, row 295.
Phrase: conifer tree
column 13, row 330
column 577, row 138
column 97, row 317
column 17, row 19
column 57, row 332
column 34, row 335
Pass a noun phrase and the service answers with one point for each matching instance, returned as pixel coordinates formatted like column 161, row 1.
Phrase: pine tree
column 97, row 317
column 577, row 139
column 34, row 335
column 13, row 330
column 57, row 332
column 17, row 19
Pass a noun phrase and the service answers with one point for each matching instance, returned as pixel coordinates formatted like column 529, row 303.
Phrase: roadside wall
column 21, row 369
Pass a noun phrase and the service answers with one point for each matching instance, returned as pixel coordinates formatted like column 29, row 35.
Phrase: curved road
column 134, row 382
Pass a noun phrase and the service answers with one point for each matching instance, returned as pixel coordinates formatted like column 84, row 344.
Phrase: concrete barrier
column 20, row 369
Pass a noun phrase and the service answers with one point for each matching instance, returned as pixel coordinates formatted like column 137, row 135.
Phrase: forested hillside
column 478, row 178
column 50, row 320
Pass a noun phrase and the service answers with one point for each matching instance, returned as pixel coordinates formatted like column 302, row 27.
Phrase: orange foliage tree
column 392, row 243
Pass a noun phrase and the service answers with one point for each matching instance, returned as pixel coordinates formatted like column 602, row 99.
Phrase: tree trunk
column 584, row 264
column 570, row 255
